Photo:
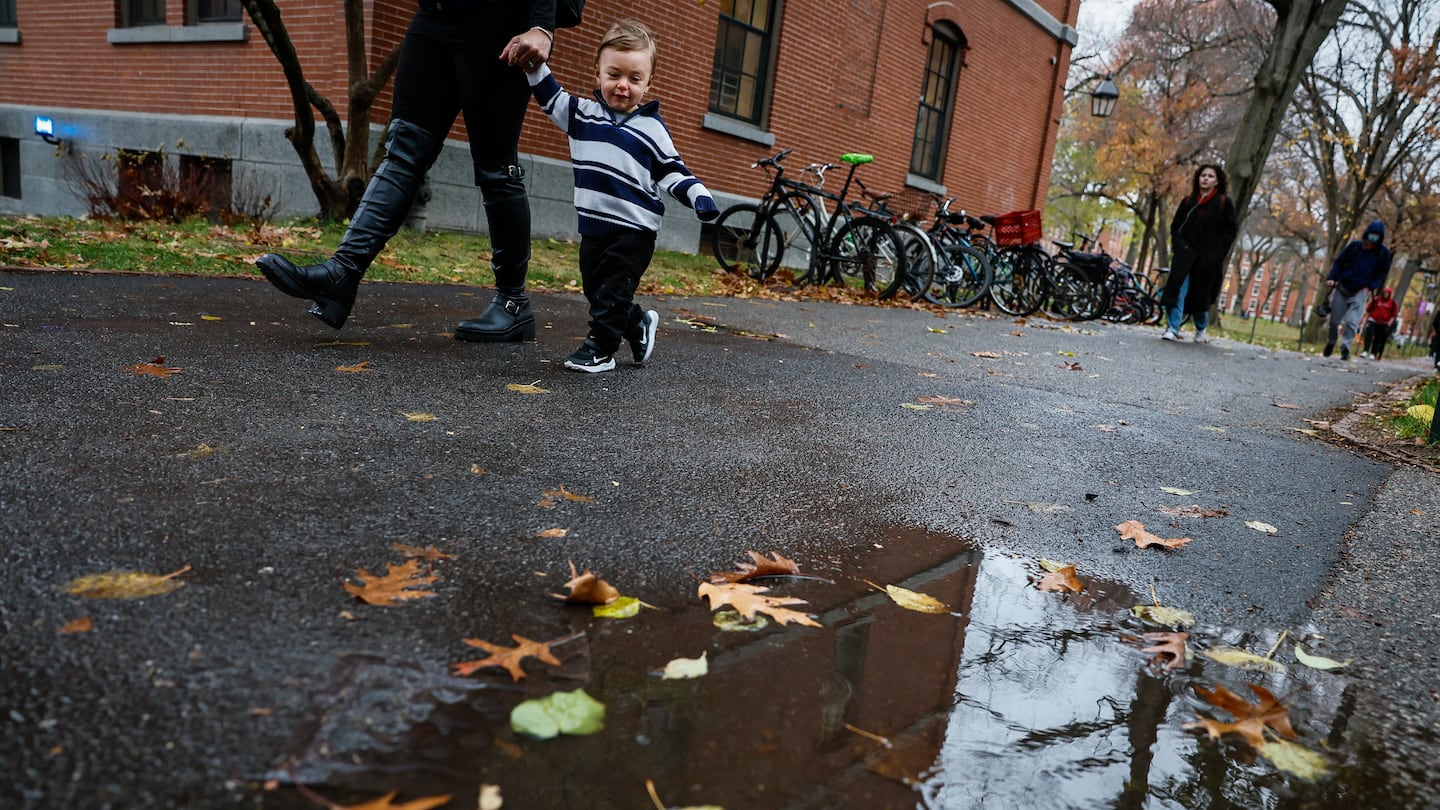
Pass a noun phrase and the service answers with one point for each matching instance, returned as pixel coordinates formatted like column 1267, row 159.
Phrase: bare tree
column 338, row 196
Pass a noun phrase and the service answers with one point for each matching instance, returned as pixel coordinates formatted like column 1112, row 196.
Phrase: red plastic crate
column 1017, row 228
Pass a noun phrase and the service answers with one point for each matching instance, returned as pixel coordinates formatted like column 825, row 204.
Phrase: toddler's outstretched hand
column 705, row 209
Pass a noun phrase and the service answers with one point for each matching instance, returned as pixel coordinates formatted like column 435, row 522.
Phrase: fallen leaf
column 1318, row 662
column 418, row 416
column 385, row 803
column 84, row 624
column 731, row 622
column 1176, row 491
column 1135, row 530
column 477, row 469
column 489, row 798
column 912, row 600
column 761, row 566
column 987, row 355
column 155, row 368
column 1169, row 649
column 588, row 588
column 940, row 331
column 360, row 367
column 1042, row 507
column 1251, row 719
column 526, row 388
column 394, row 586
column 553, row 533
column 125, row 584
column 624, row 607
column 945, row 402
column 749, row 600
column 211, row 318
column 573, row 713
column 1071, row 366
column 1162, row 616
column 1261, row 527
column 1295, row 759
column 509, row 658
column 679, row 669
column 1060, row 580
column 1286, row 405
column 910, row 406
column 429, row 553
column 549, row 498
column 1240, row 659
column 1191, row 511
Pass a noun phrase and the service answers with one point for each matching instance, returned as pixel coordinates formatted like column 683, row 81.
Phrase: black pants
column 1376, row 336
column 450, row 63
column 610, row 270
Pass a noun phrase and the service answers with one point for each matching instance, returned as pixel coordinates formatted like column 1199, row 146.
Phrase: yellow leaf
column 912, row 600
column 1235, row 657
column 125, row 584
column 938, row 331
column 211, row 318
column 1318, row 662
column 685, row 668
column 1163, row 616
column 730, row 621
column 418, row 417
column 623, row 607
column 1295, row 759
column 526, row 388
column 1421, row 413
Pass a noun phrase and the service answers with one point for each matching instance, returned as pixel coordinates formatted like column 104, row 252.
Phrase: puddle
column 1018, row 699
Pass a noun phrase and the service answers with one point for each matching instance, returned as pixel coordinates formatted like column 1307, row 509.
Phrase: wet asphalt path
column 757, row 425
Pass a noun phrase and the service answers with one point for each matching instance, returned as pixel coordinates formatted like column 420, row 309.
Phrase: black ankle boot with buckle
column 507, row 319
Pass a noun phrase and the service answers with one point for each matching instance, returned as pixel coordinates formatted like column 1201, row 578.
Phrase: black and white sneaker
column 587, row 358
column 642, row 342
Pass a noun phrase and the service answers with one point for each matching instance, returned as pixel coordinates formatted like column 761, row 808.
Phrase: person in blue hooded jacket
column 1359, row 271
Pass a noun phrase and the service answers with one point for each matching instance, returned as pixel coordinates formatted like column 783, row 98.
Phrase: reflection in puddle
column 1020, row 698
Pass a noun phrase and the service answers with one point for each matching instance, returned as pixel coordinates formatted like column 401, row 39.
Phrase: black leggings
column 450, row 63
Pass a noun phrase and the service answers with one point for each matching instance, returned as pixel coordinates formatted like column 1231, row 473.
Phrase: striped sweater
column 622, row 161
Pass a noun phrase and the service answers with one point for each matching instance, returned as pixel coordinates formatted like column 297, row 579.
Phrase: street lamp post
column 1103, row 98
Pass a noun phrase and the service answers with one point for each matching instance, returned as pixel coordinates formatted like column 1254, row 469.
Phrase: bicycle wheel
column 798, row 217
column 1072, row 296
column 921, row 261
column 746, row 241
column 1021, row 282
column 866, row 254
column 961, row 278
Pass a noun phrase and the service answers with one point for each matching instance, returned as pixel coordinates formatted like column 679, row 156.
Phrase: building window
column 7, row 14
column 10, row 167
column 208, row 11
column 742, row 58
column 137, row 13
column 937, row 98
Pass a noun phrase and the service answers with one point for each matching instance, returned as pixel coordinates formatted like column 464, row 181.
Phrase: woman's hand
column 529, row 49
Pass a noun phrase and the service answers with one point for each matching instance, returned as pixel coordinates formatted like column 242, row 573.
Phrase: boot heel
column 332, row 312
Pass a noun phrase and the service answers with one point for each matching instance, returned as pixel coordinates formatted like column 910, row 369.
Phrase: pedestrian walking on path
column 1201, row 232
column 1379, row 323
column 623, row 157
column 450, row 63
column 1359, row 271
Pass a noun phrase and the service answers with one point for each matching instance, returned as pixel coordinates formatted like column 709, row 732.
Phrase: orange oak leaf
column 154, row 368
column 1251, row 719
column 588, row 588
column 509, row 658
column 750, row 599
column 1061, row 580
column 1135, row 530
column 394, row 586
column 761, row 567
column 81, row 625
column 549, row 498
column 1169, row 649
column 358, row 368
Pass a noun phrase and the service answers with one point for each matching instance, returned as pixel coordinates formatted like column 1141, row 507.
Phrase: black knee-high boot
column 507, row 209
column 331, row 284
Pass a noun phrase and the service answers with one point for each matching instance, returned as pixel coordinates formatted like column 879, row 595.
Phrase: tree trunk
column 1300, row 27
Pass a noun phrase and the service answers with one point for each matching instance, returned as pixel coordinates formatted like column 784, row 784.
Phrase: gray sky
column 1104, row 18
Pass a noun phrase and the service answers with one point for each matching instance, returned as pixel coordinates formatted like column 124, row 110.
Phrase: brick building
column 961, row 98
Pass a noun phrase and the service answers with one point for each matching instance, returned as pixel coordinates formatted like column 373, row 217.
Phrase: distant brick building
column 961, row 98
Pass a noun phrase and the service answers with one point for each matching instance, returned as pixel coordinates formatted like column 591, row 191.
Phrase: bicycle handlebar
column 773, row 160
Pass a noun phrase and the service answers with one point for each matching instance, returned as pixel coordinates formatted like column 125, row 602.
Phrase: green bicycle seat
column 856, row 158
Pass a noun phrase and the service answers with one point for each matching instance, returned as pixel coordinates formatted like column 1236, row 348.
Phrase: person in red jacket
column 1380, row 315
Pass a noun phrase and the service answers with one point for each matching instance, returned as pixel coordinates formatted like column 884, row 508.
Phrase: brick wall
column 848, row 76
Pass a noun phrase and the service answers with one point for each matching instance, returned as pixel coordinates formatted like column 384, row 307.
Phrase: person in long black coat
column 1201, row 232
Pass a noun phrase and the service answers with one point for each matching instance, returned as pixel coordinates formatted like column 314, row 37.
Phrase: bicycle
column 753, row 238
column 922, row 257
column 964, row 273
column 1021, row 269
